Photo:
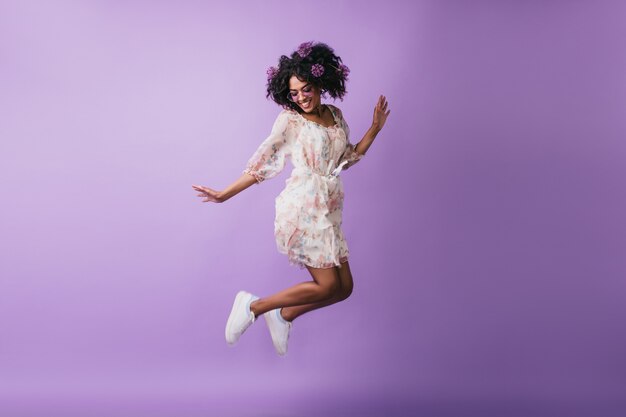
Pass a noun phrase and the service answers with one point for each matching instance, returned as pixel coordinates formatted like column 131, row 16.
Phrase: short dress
column 308, row 218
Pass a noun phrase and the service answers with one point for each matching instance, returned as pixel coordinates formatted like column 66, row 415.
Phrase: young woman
column 307, row 225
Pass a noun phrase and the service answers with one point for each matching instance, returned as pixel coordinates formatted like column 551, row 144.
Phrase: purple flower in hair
column 304, row 49
column 344, row 70
column 317, row 70
column 271, row 72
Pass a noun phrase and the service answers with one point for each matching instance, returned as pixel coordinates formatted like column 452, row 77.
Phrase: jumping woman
column 307, row 225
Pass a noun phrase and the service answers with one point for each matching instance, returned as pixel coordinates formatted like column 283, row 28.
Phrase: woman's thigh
column 326, row 277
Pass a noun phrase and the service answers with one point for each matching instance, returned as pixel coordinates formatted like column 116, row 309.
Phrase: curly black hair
column 305, row 64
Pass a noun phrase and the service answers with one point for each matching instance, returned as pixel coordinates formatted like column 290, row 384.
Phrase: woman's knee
column 345, row 291
column 347, row 282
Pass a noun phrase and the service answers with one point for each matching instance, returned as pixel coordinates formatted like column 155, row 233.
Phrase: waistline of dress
column 332, row 175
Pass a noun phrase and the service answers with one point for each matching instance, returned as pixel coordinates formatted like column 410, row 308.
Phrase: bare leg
column 344, row 291
column 325, row 284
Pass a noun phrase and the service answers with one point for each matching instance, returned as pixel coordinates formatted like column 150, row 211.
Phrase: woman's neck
column 318, row 111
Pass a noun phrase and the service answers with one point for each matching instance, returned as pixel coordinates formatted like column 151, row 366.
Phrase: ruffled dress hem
column 302, row 264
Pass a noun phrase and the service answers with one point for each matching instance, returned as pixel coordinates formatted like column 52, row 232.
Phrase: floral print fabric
column 308, row 218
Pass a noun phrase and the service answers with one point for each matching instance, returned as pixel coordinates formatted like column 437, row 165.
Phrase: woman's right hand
column 209, row 194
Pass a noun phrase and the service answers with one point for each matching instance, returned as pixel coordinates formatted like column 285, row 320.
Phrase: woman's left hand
column 380, row 113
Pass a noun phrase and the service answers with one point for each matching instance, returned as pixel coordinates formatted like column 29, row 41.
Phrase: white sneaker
column 279, row 330
column 240, row 317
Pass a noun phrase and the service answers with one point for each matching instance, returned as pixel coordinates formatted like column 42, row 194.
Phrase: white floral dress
column 308, row 218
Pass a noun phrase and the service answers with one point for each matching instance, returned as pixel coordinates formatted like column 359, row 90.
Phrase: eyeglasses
column 307, row 91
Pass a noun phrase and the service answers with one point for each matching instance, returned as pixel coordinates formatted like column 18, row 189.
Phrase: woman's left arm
column 379, row 119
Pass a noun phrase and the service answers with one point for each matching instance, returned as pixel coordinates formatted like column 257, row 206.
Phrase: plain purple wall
column 486, row 223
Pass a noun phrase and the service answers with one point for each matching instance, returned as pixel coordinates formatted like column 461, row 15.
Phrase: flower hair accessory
column 271, row 72
column 304, row 49
column 344, row 70
column 317, row 70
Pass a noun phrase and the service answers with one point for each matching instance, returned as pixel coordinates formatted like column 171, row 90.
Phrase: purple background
column 486, row 223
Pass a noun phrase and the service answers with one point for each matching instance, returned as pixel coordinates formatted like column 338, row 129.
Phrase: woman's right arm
column 243, row 182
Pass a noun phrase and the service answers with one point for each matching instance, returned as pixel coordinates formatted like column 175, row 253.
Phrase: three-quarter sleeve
column 270, row 157
column 350, row 155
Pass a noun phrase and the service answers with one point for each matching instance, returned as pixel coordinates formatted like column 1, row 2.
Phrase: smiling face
column 305, row 95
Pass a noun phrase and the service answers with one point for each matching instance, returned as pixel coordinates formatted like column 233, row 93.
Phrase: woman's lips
column 306, row 104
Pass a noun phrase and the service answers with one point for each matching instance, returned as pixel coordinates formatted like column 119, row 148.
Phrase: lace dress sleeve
column 350, row 156
column 270, row 157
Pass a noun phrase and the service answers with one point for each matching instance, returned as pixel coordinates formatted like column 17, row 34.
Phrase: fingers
column 384, row 107
column 206, row 192
column 382, row 102
column 381, row 109
column 202, row 189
